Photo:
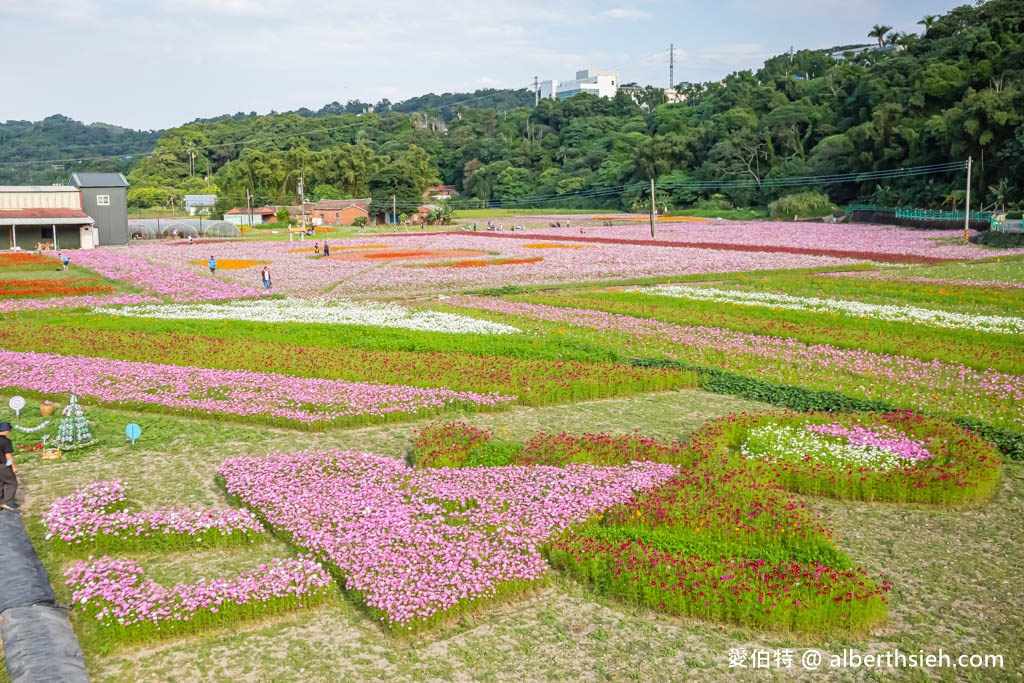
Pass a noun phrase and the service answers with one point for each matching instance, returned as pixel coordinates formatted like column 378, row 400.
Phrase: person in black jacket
column 8, row 470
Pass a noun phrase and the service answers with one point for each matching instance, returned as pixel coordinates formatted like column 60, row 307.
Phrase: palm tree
column 928, row 21
column 999, row 191
column 878, row 32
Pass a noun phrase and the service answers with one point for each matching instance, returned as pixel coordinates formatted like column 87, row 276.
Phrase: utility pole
column 671, row 66
column 652, row 209
column 967, row 204
column 302, row 200
column 394, row 211
column 536, row 92
column 248, row 204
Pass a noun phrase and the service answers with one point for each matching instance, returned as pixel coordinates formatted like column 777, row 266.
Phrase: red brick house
column 332, row 211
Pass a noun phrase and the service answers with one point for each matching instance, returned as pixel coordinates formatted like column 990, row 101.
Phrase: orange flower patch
column 17, row 260
column 318, row 229
column 683, row 219
column 232, row 264
column 480, row 263
column 545, row 245
column 407, row 255
column 348, row 247
column 36, row 288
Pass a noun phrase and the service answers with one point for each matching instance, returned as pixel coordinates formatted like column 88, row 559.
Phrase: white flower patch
column 782, row 444
column 909, row 314
column 318, row 311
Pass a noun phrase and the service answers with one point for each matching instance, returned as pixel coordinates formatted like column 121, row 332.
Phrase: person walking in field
column 8, row 470
column 266, row 278
column 327, row 249
column 316, row 248
column 213, row 265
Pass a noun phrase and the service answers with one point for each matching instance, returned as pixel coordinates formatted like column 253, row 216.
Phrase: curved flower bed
column 419, row 545
column 115, row 595
column 901, row 457
column 719, row 543
column 93, row 516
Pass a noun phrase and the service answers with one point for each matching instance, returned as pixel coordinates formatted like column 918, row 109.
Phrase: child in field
column 213, row 265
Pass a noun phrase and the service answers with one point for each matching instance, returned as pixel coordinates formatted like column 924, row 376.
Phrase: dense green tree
column 955, row 91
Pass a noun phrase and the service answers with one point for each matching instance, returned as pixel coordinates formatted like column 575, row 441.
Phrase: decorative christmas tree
column 73, row 430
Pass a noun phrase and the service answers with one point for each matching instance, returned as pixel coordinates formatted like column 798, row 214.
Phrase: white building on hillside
column 595, row 82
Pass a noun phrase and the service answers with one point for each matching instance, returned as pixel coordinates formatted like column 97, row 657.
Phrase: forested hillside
column 956, row 90
column 47, row 151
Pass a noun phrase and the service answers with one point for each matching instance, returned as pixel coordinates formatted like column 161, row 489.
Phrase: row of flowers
column 875, row 242
column 457, row 444
column 891, row 312
column 319, row 311
column 941, row 281
column 419, row 545
column 94, row 515
column 946, row 388
column 535, row 381
column 271, row 398
column 86, row 301
column 115, row 596
column 36, row 288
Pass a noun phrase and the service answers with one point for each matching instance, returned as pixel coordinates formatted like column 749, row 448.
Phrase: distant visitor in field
column 266, row 277
column 316, row 248
column 8, row 470
column 213, row 265
column 327, row 249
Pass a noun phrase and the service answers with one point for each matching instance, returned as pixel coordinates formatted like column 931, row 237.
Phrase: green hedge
column 807, row 400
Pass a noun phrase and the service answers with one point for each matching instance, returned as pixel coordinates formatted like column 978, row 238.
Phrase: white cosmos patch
column 893, row 313
column 317, row 311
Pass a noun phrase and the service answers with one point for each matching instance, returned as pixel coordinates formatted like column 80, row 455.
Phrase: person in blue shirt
column 213, row 265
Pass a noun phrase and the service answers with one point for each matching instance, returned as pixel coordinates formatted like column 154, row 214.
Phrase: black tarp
column 39, row 644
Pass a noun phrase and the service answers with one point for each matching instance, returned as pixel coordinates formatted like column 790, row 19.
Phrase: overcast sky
column 160, row 63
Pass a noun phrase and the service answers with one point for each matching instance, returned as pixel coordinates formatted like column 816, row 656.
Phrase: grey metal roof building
column 44, row 218
column 105, row 199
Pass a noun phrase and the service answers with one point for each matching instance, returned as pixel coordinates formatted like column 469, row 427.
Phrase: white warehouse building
column 602, row 83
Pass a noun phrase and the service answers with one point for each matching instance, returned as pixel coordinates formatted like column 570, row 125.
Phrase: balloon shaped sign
column 16, row 404
column 133, row 431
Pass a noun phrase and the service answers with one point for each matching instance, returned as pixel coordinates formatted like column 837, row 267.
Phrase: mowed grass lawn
column 956, row 573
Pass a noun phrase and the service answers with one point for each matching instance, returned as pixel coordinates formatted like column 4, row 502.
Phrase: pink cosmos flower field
column 418, row 543
column 302, row 275
column 881, row 239
column 206, row 391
